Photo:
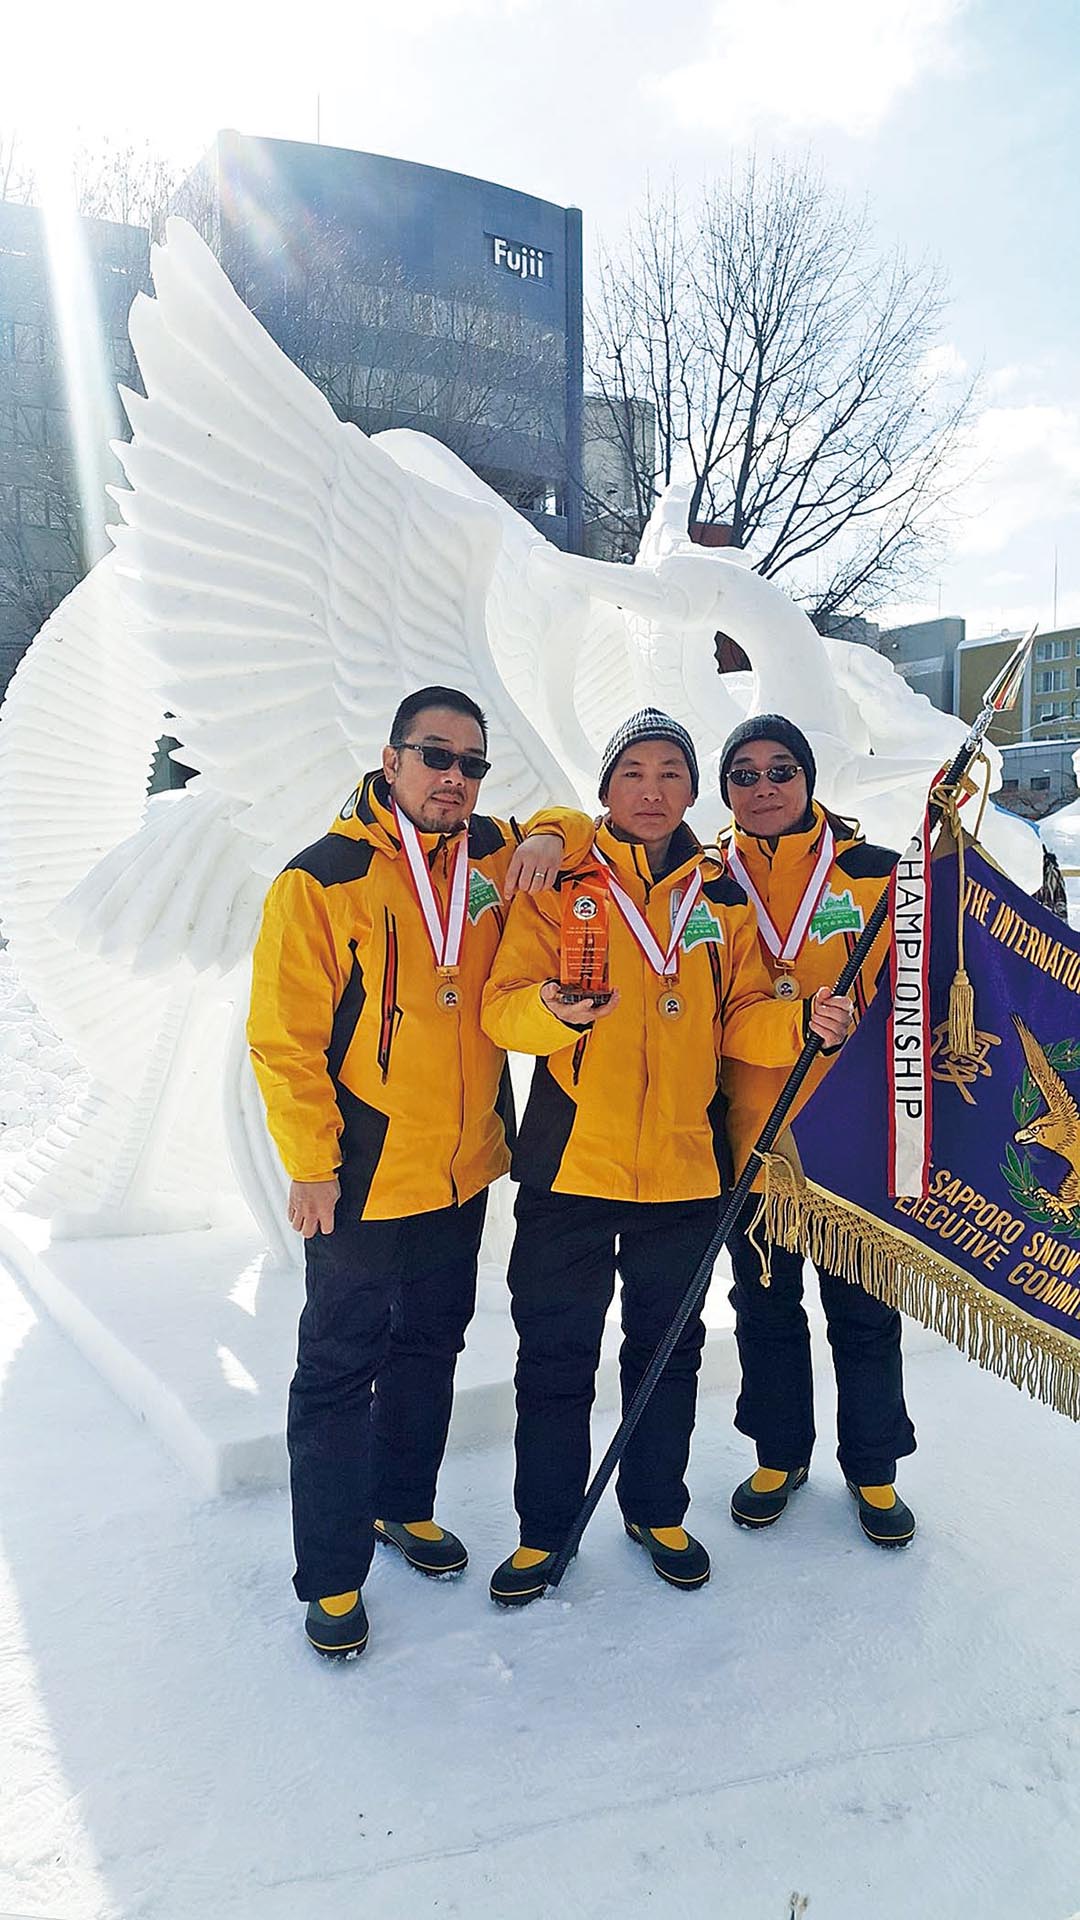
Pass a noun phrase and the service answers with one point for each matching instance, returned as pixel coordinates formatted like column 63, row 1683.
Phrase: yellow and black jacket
column 631, row 1109
column 780, row 873
column 360, row 1068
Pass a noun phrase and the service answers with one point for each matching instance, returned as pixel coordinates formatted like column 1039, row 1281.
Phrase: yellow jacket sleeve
column 511, row 1011
column 300, row 967
column 753, row 1024
column 576, row 830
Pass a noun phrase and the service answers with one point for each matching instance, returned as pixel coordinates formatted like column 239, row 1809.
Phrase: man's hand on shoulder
column 311, row 1206
column 534, row 864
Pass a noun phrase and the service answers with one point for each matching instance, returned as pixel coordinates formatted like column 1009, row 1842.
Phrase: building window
column 1053, row 649
column 1040, row 783
column 29, row 426
column 427, row 397
column 1009, row 786
column 1051, row 680
column 33, row 507
column 29, row 341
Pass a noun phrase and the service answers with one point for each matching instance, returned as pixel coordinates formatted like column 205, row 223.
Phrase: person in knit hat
column 812, row 880
column 621, row 1153
column 648, row 724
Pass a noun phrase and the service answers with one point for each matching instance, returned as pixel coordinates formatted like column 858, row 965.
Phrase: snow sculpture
column 279, row 582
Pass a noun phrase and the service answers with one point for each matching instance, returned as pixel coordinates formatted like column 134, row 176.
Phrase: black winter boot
column 761, row 1506
column 433, row 1551
column 883, row 1516
column 337, row 1626
column 522, row 1577
column 677, row 1557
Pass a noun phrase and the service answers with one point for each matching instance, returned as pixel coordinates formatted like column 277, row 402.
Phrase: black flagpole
column 998, row 696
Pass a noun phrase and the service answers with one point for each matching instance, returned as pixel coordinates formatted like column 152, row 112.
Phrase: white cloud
column 944, row 362
column 1026, row 463
column 837, row 63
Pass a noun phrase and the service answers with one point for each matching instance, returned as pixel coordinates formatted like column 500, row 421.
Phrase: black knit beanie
column 769, row 726
column 648, row 724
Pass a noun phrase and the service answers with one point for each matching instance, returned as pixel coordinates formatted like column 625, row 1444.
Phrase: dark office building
column 43, row 534
column 414, row 297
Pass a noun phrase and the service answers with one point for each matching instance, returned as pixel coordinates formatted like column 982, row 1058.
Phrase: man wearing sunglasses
column 391, row 1111
column 812, row 880
column 622, row 1147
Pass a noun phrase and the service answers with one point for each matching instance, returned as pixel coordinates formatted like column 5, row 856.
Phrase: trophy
column 583, row 939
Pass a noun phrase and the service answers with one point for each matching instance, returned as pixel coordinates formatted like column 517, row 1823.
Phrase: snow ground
column 883, row 1735
column 889, row 1734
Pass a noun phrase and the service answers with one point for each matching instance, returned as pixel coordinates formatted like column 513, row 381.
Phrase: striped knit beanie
column 649, row 724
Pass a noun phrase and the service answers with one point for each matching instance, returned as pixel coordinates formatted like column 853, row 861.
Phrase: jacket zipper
column 390, row 1016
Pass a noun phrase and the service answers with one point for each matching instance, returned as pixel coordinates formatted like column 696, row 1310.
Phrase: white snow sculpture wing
column 537, row 628
column 292, row 583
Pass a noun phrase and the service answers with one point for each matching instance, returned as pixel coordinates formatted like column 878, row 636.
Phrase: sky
column 951, row 119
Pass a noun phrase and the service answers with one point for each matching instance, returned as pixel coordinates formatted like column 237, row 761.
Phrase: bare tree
column 128, row 183
column 791, row 371
column 16, row 174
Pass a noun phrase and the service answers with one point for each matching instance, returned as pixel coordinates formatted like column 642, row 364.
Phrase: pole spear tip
column 1002, row 693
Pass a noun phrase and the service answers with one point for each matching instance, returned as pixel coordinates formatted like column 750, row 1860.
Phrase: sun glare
column 91, row 396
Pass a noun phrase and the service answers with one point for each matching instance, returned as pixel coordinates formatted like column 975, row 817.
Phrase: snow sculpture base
column 196, row 1334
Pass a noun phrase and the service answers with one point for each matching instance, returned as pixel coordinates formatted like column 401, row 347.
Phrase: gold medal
column 786, row 987
column 670, row 1005
column 448, row 996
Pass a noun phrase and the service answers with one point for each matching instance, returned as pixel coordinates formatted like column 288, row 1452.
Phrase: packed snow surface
column 879, row 1735
column 890, row 1735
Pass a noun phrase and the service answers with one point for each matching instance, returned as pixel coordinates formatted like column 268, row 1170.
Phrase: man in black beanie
column 812, row 880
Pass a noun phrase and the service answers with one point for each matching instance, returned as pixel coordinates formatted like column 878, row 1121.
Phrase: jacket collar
column 631, row 864
column 791, row 851
column 368, row 815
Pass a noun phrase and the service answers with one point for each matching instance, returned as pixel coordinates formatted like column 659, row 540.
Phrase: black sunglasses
column 440, row 760
column 749, row 776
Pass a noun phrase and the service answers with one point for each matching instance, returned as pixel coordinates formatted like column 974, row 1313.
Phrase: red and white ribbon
column 446, row 934
column 786, row 948
column 665, row 964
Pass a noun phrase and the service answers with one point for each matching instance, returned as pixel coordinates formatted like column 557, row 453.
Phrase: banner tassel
column 988, row 1330
column 961, row 1016
column 962, row 1042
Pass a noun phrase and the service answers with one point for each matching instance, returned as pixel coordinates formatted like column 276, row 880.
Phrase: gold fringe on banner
column 1000, row 1338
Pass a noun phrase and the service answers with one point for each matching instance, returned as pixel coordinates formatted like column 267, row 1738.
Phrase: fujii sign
column 513, row 257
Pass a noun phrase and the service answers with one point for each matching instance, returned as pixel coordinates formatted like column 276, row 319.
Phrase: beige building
column 977, row 662
column 1049, row 703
